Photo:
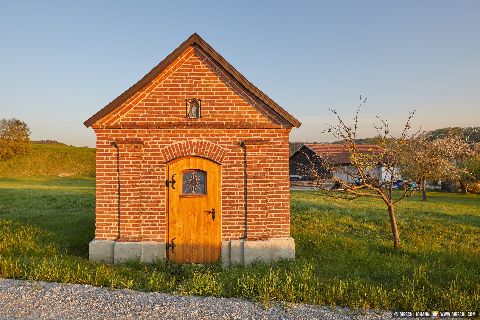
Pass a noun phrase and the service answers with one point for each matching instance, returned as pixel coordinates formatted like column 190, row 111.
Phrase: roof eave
column 141, row 83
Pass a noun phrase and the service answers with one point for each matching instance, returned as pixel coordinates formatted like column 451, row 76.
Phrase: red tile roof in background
column 339, row 153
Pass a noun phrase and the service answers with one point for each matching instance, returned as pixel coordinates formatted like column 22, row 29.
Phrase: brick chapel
column 192, row 165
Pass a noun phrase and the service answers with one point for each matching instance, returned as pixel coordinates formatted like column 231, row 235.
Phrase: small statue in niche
column 193, row 108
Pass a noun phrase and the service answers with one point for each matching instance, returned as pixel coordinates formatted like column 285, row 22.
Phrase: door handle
column 212, row 212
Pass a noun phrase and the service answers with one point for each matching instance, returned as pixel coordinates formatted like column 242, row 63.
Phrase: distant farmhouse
column 315, row 160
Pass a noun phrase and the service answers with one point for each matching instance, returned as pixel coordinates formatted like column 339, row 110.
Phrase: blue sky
column 61, row 61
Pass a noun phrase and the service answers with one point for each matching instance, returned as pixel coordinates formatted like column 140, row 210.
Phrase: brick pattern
column 151, row 129
column 194, row 147
column 130, row 159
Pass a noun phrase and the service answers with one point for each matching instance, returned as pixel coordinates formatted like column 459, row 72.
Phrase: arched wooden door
column 194, row 210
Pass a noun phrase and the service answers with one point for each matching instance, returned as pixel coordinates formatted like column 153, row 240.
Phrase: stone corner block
column 237, row 252
column 246, row 252
column 226, row 253
column 153, row 251
column 101, row 251
column 257, row 251
column 283, row 248
column 125, row 251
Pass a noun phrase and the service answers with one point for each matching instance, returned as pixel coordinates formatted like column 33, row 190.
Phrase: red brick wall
column 151, row 129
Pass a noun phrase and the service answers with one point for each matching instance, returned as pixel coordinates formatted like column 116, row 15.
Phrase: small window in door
column 194, row 182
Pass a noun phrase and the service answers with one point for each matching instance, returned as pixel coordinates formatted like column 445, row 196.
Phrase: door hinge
column 168, row 182
column 171, row 245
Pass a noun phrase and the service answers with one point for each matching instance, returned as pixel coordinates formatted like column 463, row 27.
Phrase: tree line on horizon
column 470, row 134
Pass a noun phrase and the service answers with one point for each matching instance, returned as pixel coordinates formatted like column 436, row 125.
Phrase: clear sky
column 61, row 61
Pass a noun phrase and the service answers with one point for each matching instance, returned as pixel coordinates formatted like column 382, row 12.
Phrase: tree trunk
column 393, row 224
column 424, row 190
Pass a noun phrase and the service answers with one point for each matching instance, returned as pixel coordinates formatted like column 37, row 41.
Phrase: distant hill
column 48, row 142
column 470, row 133
column 51, row 160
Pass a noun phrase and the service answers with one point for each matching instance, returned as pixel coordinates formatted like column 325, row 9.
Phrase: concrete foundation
column 246, row 252
column 109, row 251
column 234, row 252
column 101, row 251
column 152, row 251
column 125, row 251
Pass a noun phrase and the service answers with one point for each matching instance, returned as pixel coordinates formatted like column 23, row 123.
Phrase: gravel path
column 44, row 300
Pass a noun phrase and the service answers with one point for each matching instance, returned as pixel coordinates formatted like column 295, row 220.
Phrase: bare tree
column 360, row 183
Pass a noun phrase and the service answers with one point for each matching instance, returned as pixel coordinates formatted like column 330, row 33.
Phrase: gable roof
column 194, row 39
column 338, row 153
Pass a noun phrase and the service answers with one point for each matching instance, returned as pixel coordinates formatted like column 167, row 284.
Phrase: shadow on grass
column 65, row 209
column 458, row 218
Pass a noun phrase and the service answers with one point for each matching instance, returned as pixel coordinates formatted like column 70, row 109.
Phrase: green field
column 344, row 251
column 51, row 160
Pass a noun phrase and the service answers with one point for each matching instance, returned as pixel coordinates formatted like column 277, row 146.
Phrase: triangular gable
column 272, row 107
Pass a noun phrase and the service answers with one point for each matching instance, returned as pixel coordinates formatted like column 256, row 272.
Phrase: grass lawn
column 50, row 160
column 344, row 251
